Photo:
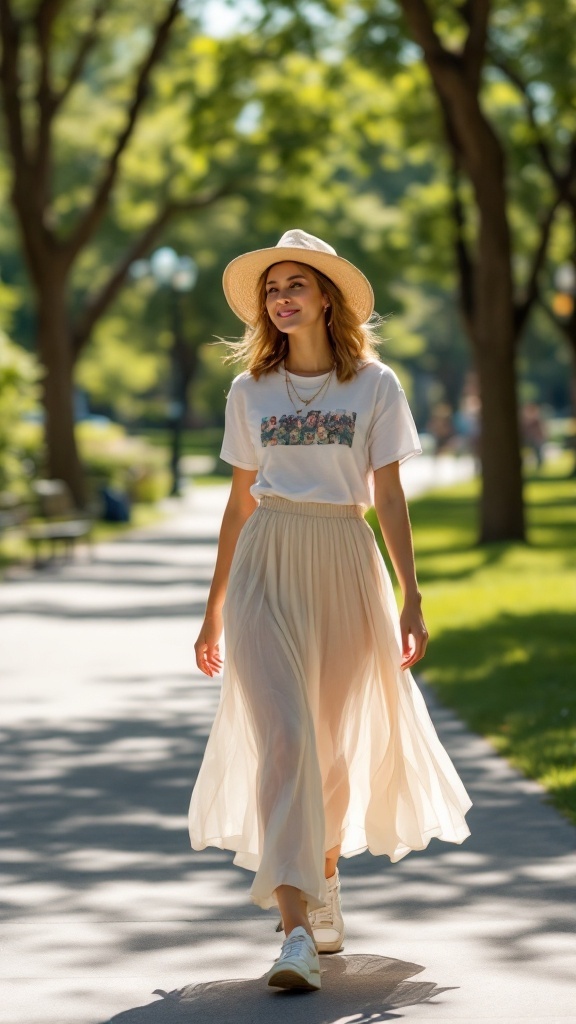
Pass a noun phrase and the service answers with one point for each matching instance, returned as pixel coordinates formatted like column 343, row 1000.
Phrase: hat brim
column 241, row 277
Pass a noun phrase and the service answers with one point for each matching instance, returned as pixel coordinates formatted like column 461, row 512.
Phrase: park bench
column 63, row 524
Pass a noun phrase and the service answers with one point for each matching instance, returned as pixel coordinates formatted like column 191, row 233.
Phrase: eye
column 270, row 290
column 296, row 284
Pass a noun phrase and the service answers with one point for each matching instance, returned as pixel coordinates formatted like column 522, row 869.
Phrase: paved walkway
column 108, row 914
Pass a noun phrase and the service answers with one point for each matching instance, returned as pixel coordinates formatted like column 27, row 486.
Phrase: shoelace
column 325, row 914
column 290, row 945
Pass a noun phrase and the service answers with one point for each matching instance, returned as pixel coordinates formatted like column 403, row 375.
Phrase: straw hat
column 242, row 275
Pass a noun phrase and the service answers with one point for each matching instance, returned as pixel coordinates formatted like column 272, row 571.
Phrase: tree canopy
column 121, row 134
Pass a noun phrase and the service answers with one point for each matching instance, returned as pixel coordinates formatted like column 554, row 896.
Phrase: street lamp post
column 178, row 274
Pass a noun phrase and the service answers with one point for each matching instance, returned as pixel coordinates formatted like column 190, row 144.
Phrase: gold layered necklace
column 305, row 401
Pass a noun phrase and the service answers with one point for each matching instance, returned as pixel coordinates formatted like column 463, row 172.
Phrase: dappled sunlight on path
column 104, row 724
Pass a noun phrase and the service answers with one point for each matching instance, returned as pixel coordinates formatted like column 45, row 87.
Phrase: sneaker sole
column 287, row 977
column 329, row 947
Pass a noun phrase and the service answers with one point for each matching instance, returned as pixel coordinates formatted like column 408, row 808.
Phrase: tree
column 49, row 54
column 285, row 176
column 455, row 40
column 546, row 89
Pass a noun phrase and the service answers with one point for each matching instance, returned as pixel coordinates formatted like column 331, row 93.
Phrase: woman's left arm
column 392, row 512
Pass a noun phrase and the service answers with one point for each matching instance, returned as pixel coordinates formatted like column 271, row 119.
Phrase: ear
column 326, row 300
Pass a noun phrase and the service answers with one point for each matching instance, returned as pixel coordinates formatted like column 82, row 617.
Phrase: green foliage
column 113, row 459
column 19, row 438
column 213, row 384
column 117, row 370
column 528, row 93
column 321, row 116
column 501, row 623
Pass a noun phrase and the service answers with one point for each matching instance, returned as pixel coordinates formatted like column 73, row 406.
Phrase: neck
column 309, row 353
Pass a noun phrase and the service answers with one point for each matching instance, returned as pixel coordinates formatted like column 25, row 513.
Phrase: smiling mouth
column 287, row 312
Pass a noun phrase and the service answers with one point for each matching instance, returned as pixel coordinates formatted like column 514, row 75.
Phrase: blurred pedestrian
column 467, row 421
column 532, row 429
column 440, row 425
column 322, row 745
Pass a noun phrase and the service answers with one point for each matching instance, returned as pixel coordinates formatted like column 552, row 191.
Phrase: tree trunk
column 494, row 342
column 501, row 504
column 55, row 351
column 486, row 277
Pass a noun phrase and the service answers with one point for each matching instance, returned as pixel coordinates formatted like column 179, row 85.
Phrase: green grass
column 502, row 620
column 210, row 481
column 202, row 441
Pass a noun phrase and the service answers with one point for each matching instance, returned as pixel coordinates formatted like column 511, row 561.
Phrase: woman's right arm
column 239, row 508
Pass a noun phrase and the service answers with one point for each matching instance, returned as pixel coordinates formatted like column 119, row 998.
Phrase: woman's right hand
column 207, row 649
column 239, row 508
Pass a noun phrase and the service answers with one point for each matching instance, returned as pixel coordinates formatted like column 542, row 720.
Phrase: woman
column 322, row 745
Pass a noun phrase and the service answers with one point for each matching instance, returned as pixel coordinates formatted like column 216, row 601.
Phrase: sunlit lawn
column 502, row 620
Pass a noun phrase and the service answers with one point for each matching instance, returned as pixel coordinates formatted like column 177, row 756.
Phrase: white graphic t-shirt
column 328, row 451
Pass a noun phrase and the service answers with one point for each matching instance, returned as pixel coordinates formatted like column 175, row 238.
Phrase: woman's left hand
column 414, row 632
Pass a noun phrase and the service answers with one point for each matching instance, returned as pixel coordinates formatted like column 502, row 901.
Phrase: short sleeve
column 237, row 447
column 393, row 436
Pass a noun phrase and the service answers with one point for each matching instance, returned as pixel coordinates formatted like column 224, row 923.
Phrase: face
column 293, row 297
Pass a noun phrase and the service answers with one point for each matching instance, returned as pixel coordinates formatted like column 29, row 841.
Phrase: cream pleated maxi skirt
column 320, row 739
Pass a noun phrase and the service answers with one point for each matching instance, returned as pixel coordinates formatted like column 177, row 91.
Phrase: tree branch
column 10, row 80
column 23, row 192
column 568, row 179
column 532, row 288
column 86, row 45
column 97, row 209
column 477, row 15
column 543, row 149
column 453, row 86
column 43, row 21
column 97, row 304
column 565, row 179
column 48, row 10
column 463, row 259
column 422, row 26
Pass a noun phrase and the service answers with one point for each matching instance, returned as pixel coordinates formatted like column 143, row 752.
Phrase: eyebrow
column 292, row 278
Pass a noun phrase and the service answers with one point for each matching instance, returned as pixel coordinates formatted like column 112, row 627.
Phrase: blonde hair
column 263, row 346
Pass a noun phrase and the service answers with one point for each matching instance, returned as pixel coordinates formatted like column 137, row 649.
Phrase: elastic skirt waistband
column 275, row 503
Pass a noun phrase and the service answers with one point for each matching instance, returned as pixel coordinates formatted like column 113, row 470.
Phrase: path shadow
column 94, row 830
column 363, row 987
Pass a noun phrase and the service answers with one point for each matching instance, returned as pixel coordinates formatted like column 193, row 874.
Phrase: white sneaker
column 298, row 965
column 327, row 922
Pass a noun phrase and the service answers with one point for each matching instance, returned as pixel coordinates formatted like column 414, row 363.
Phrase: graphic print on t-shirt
column 314, row 427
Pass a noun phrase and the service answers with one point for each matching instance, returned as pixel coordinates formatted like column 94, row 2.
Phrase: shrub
column 112, row 459
column 20, row 438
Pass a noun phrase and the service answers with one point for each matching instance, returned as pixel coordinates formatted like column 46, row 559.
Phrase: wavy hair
column 263, row 346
